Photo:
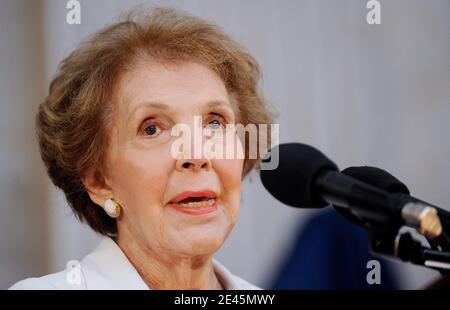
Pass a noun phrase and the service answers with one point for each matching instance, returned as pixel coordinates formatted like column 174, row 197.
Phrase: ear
column 97, row 187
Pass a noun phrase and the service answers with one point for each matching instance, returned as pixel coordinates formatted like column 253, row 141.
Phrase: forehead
column 181, row 85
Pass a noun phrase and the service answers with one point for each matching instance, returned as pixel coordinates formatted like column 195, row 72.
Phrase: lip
column 195, row 211
column 204, row 193
column 174, row 203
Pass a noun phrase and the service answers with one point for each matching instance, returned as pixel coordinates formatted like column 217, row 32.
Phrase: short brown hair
column 72, row 123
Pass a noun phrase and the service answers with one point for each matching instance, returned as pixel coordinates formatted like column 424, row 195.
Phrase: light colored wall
column 23, row 190
column 375, row 95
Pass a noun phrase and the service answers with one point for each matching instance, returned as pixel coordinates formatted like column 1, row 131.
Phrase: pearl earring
column 112, row 208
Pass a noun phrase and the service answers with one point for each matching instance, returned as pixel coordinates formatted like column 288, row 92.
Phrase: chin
column 201, row 244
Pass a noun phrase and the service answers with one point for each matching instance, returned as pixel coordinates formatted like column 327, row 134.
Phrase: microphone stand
column 387, row 241
column 411, row 250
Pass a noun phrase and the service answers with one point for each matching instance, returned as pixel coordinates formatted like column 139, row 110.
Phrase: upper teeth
column 197, row 204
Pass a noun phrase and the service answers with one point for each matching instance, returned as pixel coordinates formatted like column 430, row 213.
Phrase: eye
column 216, row 121
column 214, row 124
column 151, row 128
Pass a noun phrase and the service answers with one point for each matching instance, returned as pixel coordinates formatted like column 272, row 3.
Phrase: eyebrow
column 150, row 104
column 157, row 105
column 163, row 106
column 216, row 103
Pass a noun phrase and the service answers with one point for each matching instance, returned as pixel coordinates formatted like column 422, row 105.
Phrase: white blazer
column 107, row 268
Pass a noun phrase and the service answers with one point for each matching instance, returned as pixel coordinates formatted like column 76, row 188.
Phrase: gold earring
column 112, row 208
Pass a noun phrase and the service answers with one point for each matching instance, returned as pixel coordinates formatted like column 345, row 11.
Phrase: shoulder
column 30, row 284
column 106, row 267
column 55, row 281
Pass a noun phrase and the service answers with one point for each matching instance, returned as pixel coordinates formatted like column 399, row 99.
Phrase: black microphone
column 306, row 178
column 376, row 177
column 384, row 180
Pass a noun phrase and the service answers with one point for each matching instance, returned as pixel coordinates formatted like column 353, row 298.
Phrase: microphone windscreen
column 376, row 177
column 293, row 181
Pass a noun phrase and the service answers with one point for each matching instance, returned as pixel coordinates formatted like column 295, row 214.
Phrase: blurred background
column 364, row 94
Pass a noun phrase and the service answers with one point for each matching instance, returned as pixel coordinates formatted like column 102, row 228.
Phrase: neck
column 165, row 271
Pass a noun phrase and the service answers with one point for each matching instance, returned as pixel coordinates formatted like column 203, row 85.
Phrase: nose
column 190, row 158
column 193, row 164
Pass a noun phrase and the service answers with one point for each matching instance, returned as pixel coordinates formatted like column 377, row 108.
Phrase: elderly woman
column 105, row 135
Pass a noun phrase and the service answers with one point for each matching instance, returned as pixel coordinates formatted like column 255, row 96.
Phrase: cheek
column 229, row 170
column 140, row 179
column 230, row 175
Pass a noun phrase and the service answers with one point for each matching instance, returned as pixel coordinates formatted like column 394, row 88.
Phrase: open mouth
column 199, row 199
column 196, row 202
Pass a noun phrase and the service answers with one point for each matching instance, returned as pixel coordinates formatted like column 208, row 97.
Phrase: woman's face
column 148, row 180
